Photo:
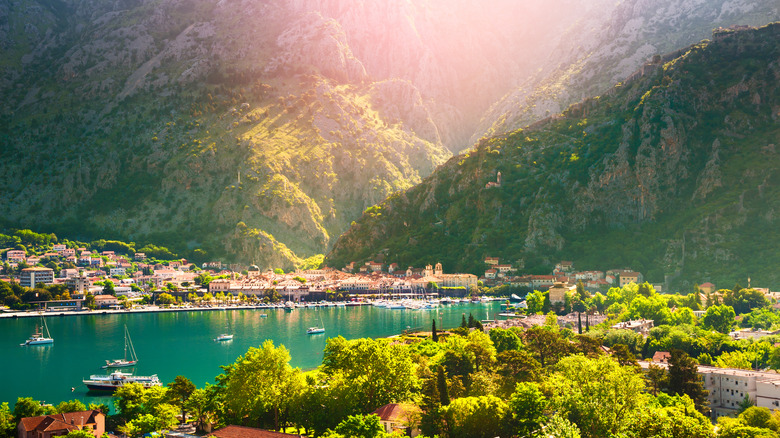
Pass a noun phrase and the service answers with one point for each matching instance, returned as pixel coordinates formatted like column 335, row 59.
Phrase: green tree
column 744, row 300
column 163, row 417
column 129, row 400
column 166, row 299
column 560, row 427
column 623, row 355
column 377, row 371
column 720, row 318
column 259, row 384
column 201, row 405
column 516, row 366
column 27, row 407
column 598, row 394
column 360, row 426
column 108, row 287
column 677, row 420
column 683, row 375
column 527, row 409
column 179, row 391
column 475, row 417
column 535, row 302
column 89, row 300
column 756, row 417
column 69, row 406
column 324, row 402
column 546, row 344
column 504, row 339
column 441, row 385
column 79, row 434
column 434, row 335
column 7, row 422
column 656, row 378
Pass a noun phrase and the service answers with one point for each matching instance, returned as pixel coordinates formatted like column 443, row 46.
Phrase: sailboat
column 125, row 362
column 225, row 336
column 315, row 330
column 38, row 337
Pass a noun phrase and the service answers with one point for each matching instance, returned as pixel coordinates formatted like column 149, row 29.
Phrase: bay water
column 182, row 343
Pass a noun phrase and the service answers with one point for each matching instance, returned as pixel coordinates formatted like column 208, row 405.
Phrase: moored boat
column 124, row 362
column 41, row 335
column 224, row 337
column 315, row 330
column 111, row 382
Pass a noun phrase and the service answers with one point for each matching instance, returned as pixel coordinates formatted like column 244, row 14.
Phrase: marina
column 172, row 343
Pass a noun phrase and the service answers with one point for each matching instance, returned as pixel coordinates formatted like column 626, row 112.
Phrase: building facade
column 32, row 276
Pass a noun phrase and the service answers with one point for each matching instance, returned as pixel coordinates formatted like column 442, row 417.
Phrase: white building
column 32, row 276
column 727, row 388
column 116, row 272
column 78, row 283
column 15, row 256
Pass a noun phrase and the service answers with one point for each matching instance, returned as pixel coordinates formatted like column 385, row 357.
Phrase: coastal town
column 107, row 275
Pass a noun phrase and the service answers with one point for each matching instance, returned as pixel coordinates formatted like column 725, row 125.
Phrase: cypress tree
column 471, row 321
column 441, row 381
column 434, row 335
column 463, row 321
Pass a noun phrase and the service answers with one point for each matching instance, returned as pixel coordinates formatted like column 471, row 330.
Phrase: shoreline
column 157, row 309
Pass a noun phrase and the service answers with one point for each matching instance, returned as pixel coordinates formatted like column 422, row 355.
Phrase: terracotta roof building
column 248, row 432
column 400, row 417
column 47, row 426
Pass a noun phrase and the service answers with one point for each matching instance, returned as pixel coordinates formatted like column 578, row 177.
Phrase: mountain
column 610, row 44
column 672, row 172
column 253, row 130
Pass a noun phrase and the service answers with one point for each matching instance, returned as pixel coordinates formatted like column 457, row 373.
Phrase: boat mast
column 129, row 342
column 45, row 326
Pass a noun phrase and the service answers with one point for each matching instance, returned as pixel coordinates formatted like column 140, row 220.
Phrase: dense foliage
column 672, row 172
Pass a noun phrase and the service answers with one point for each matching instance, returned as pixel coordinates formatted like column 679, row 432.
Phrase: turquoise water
column 181, row 343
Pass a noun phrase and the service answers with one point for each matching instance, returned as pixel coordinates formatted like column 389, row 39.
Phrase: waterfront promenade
column 158, row 309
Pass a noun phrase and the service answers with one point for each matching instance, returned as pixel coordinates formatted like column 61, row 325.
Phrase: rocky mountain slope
column 673, row 171
column 609, row 45
column 256, row 130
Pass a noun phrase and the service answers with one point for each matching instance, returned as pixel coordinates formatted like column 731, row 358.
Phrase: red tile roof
column 248, row 432
column 395, row 412
column 60, row 421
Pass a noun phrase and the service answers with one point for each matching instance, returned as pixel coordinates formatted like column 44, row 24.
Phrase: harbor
column 170, row 343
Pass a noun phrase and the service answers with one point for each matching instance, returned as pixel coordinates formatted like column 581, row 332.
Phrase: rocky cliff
column 609, row 45
column 673, row 170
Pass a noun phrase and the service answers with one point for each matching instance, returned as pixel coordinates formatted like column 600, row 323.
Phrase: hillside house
column 641, row 326
column 542, row 281
column 16, row 256
column 47, row 426
column 396, row 417
column 630, row 277
column 116, row 272
column 707, row 288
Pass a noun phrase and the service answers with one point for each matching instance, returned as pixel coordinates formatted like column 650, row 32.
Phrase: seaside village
column 132, row 276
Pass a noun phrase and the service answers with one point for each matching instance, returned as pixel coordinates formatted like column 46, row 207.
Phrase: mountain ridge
column 678, row 161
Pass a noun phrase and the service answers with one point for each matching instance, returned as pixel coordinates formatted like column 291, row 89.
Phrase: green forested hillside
column 673, row 171
column 253, row 130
